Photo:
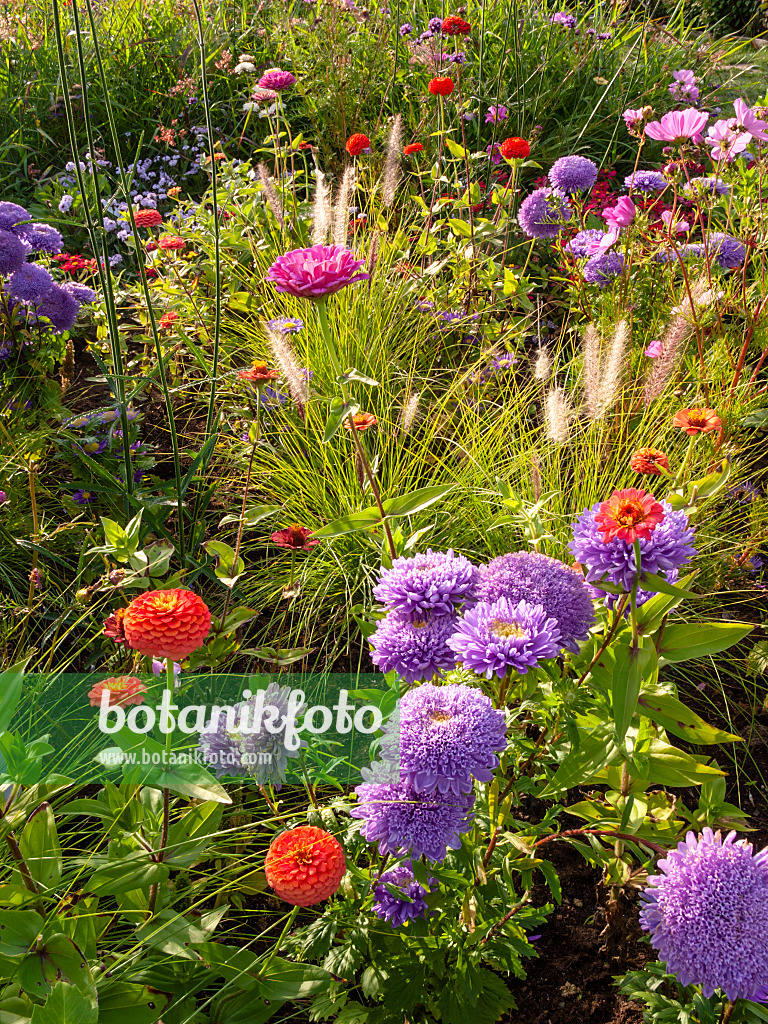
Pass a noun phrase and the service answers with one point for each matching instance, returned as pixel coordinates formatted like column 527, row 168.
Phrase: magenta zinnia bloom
column 316, row 272
column 277, row 79
column 678, row 126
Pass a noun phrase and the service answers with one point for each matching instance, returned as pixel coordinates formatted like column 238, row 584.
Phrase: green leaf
column 365, row 519
column 39, row 844
column 253, row 515
column 684, row 641
column 711, row 484
column 189, row 835
column 227, row 569
column 56, row 959
column 455, row 149
column 354, row 375
column 123, row 1003
column 459, row 227
column 65, row 1005
column 681, row 721
column 595, row 751
column 11, row 682
column 339, row 411
column 650, row 614
column 171, row 933
column 18, row 930
column 117, row 539
column 630, row 664
column 133, row 870
column 652, row 581
column 666, row 765
column 416, row 501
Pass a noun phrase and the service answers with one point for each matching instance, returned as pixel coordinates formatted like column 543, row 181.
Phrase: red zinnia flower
column 415, row 147
column 295, row 537
column 648, row 461
column 170, row 242
column 168, row 319
column 305, row 865
column 113, row 626
column 629, row 515
column 167, row 623
column 440, row 86
column 357, row 143
column 454, row 26
column 147, row 218
column 515, row 149
column 305, row 145
column 123, row 690
column 258, row 373
column 362, row 421
column 697, row 420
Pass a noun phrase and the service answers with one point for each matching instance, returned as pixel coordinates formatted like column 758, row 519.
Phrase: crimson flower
column 167, row 320
column 357, row 143
column 455, row 26
column 515, row 149
column 147, row 218
column 630, row 515
column 294, row 537
column 440, row 86
column 113, row 626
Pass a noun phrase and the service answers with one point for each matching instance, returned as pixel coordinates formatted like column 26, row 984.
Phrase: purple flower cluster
column 563, row 18
column 414, row 646
column 573, row 174
column 697, row 186
column 646, row 181
column 602, row 268
column 406, row 903
column 495, row 637
column 434, row 581
column 707, row 913
column 580, row 244
column 728, row 251
column 544, row 213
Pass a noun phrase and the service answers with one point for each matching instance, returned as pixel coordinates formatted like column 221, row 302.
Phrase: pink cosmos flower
column 748, row 121
column 684, row 86
column 622, row 214
column 655, row 349
column 633, row 118
column 678, row 227
column 726, row 139
column 316, row 272
column 609, row 239
column 678, row 126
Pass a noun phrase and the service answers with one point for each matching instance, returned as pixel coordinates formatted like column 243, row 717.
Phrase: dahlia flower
column 305, row 865
column 515, row 149
column 316, row 272
column 494, row 637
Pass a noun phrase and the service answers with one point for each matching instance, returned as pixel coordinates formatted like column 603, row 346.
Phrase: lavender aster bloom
column 404, row 822
column 83, row 497
column 494, row 637
column 81, row 292
column 601, row 269
column 30, row 283
column 277, row 80
column 448, row 735
column 666, row 550
column 698, row 186
column 433, row 581
column 410, row 904
column 14, row 218
column 544, row 213
column 580, row 243
column 316, row 272
column 414, row 647
column 60, row 308
column 65, row 203
column 44, row 238
column 13, row 252
column 286, row 324
column 573, row 173
column 646, row 181
column 558, row 588
column 708, row 915
column 727, row 250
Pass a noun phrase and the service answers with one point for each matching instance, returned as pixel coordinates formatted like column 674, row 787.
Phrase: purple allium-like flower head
column 494, row 637
column 405, row 29
column 13, row 252
column 448, row 736
column 277, row 80
column 433, row 581
column 410, row 904
column 573, row 173
column 44, row 238
column 646, row 181
column 81, row 292
column 728, row 251
column 708, row 915
column 563, row 18
column 435, row 24
column 14, row 218
column 316, row 272
column 30, row 283
column 286, row 324
column 415, row 646
column 602, row 269
column 558, row 588
column 580, row 243
column 701, row 186
column 544, row 213
column 60, row 308
column 665, row 550
column 404, row 822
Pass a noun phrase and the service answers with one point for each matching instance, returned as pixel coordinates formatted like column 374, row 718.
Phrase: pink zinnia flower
column 727, row 139
column 678, row 126
column 622, row 214
column 263, row 95
column 316, row 272
column 277, row 79
column 748, row 121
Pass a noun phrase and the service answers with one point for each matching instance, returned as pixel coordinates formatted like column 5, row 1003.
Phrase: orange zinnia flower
column 697, row 420
column 649, row 461
column 147, row 218
column 305, row 865
column 440, row 86
column 415, row 147
column 362, row 421
column 123, row 690
column 170, row 242
column 629, row 515
column 357, row 143
column 167, row 623
column 258, row 373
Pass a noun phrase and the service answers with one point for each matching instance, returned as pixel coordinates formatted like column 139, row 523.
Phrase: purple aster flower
column 494, row 637
column 558, row 588
column 13, row 252
column 408, row 904
column 60, row 308
column 30, row 283
column 494, row 151
column 83, row 497
column 573, row 173
column 504, row 361
column 407, row 823
column 448, row 735
column 286, row 324
column 544, row 213
column 727, row 250
column 277, row 80
column 416, row 648
column 405, row 29
column 601, row 269
column 698, row 186
column 81, row 292
column 435, row 24
column 44, row 238
column 65, row 203
column 580, row 244
column 666, row 550
column 316, row 272
column 564, row 19
column 433, row 581
column 14, row 218
column 496, row 114
column 646, row 181
column 745, row 492
column 708, row 915
column 94, row 447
